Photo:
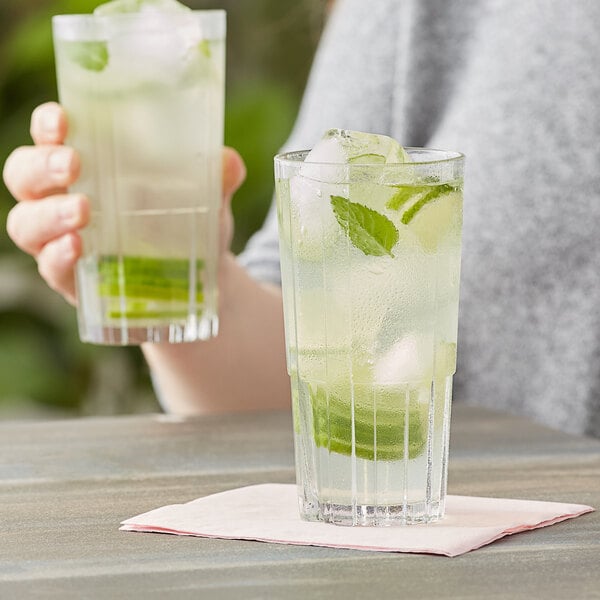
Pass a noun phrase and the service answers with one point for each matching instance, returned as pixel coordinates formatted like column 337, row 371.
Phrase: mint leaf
column 435, row 192
column 371, row 232
column 92, row 56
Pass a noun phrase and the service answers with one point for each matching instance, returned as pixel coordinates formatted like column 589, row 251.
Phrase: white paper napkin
column 269, row 513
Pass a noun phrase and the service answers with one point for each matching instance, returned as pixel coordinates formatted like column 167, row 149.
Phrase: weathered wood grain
column 64, row 488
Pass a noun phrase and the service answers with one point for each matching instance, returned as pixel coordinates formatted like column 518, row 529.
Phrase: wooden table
column 65, row 486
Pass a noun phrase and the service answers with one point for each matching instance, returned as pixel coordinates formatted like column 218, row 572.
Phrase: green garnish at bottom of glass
column 141, row 287
column 379, row 429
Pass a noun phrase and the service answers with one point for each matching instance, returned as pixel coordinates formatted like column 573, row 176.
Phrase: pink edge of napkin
column 269, row 513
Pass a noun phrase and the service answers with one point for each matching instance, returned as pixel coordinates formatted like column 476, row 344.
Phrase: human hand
column 46, row 219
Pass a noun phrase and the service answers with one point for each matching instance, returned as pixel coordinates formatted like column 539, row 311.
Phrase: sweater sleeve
column 350, row 87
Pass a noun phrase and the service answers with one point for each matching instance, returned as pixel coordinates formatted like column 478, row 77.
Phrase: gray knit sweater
column 515, row 85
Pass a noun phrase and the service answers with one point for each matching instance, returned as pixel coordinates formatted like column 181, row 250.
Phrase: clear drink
column 144, row 94
column 370, row 258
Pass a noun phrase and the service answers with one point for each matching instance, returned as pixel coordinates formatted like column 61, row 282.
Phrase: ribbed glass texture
column 144, row 95
column 371, row 328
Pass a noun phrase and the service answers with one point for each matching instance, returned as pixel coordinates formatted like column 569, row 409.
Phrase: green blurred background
column 45, row 372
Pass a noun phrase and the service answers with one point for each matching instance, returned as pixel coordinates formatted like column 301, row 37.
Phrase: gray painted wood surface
column 65, row 486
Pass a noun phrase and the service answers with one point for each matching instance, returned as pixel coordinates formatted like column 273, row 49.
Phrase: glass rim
column 214, row 12
column 297, row 157
column 77, row 27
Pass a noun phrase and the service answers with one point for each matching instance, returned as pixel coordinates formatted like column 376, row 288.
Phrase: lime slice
column 145, row 313
column 379, row 428
column 117, row 7
column 435, row 217
column 380, row 411
column 367, row 159
column 429, row 196
column 405, row 194
column 147, row 279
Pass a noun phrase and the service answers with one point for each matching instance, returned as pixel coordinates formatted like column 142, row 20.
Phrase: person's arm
column 243, row 368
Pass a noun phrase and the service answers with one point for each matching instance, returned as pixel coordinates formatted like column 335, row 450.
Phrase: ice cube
column 155, row 47
column 345, row 147
column 367, row 148
column 356, row 147
column 327, row 150
column 314, row 227
column 156, row 44
column 321, row 162
column 409, row 359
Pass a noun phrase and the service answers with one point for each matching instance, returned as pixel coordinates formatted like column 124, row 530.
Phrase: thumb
column 234, row 171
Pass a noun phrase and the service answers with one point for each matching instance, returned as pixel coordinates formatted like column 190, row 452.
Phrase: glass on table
column 370, row 239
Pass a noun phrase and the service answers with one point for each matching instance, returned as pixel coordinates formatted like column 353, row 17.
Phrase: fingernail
column 59, row 162
column 66, row 247
column 50, row 121
column 69, row 211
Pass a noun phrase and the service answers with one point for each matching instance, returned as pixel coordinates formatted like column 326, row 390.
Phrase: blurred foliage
column 44, row 369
